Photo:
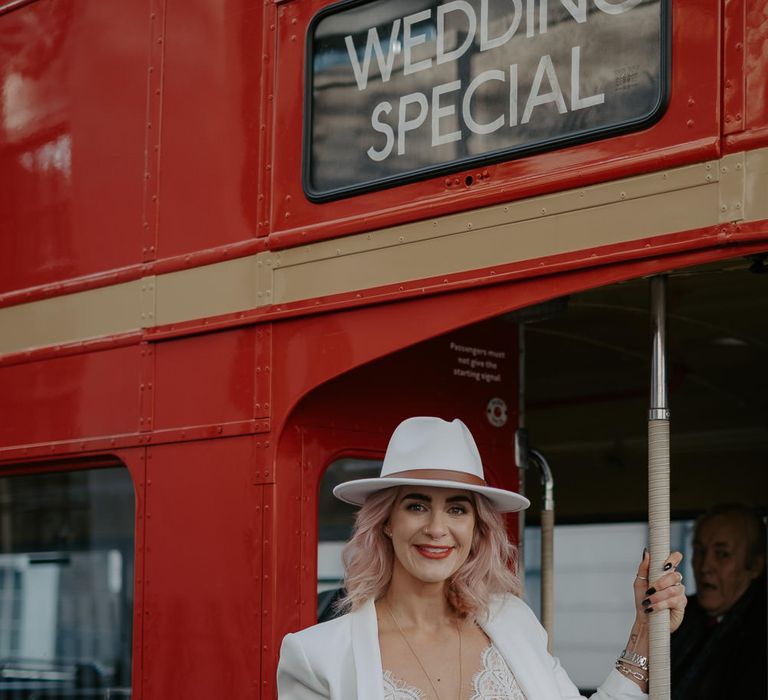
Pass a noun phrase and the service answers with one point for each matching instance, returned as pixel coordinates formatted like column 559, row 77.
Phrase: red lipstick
column 433, row 552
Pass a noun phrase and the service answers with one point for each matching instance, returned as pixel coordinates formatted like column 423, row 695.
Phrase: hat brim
column 356, row 492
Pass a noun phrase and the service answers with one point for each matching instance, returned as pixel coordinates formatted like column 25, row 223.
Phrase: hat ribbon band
column 438, row 475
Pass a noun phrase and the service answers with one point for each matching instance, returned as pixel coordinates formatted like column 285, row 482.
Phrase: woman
column 433, row 610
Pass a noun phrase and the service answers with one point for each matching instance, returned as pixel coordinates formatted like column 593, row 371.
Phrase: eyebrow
column 457, row 499
column 418, row 497
column 423, row 497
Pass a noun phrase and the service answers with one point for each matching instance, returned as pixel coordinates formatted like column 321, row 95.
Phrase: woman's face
column 431, row 531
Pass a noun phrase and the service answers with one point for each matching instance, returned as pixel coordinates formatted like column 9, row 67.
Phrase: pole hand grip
column 658, row 537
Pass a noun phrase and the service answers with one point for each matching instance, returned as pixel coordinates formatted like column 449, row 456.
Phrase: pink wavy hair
column 490, row 568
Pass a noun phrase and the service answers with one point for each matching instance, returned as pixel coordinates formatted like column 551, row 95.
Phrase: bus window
column 66, row 584
column 594, row 566
column 469, row 100
column 335, row 527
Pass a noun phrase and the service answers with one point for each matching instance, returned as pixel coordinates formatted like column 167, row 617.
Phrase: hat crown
column 432, row 443
column 432, row 452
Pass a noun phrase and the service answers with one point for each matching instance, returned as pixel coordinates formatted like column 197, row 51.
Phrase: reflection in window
column 66, row 585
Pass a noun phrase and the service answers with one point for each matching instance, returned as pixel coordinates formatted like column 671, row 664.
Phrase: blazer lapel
column 532, row 669
column 366, row 652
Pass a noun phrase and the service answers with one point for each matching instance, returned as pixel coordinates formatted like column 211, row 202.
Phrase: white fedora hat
column 427, row 451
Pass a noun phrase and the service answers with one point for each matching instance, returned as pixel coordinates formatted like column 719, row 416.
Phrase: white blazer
column 341, row 660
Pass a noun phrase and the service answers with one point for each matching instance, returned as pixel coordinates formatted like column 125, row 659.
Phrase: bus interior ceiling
column 587, row 394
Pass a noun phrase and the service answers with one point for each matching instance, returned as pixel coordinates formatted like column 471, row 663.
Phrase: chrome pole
column 658, row 489
column 547, row 548
column 521, row 451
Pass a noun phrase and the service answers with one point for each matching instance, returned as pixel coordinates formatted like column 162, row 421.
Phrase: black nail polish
column 650, row 591
column 648, row 610
column 645, row 551
column 646, row 602
column 668, row 566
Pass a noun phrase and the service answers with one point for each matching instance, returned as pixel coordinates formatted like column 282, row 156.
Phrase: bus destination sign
column 403, row 89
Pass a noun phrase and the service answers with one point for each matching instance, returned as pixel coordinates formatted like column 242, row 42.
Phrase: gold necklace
column 418, row 660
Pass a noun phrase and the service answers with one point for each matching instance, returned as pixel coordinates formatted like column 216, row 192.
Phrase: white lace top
column 494, row 681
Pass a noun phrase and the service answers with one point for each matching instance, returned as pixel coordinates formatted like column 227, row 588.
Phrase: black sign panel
column 404, row 89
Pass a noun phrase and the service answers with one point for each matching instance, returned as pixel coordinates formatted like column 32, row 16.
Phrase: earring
column 387, row 532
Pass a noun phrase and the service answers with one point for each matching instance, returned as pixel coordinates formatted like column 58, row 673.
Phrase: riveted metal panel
column 92, row 314
column 207, row 291
column 224, row 366
column 203, row 528
column 732, row 176
column 70, row 398
column 756, row 185
column 734, row 106
column 72, row 139
column 501, row 243
column 210, row 137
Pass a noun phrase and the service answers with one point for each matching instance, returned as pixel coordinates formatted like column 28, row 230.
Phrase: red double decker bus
column 240, row 241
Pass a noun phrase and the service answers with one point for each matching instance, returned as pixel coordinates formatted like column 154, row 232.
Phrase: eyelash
column 421, row 508
column 415, row 507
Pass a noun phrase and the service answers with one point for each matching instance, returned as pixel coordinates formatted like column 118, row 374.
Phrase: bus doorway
column 587, row 375
column 586, row 371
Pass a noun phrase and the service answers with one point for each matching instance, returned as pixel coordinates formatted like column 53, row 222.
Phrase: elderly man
column 720, row 649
